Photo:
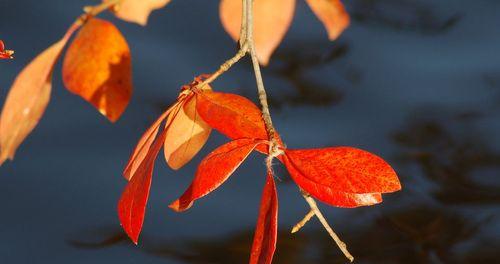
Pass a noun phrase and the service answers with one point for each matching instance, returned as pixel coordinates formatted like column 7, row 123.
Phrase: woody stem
column 274, row 151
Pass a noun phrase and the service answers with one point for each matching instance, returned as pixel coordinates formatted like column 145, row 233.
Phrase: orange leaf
column 231, row 114
column 332, row 14
column 186, row 135
column 266, row 232
column 214, row 170
column 137, row 11
column 272, row 18
column 97, row 67
column 144, row 144
column 28, row 98
column 132, row 204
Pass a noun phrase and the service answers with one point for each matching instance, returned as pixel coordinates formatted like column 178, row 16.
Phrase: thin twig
column 274, row 150
column 322, row 219
column 225, row 67
column 303, row 222
column 266, row 115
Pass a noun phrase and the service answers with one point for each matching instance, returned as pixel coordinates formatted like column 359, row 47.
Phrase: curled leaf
column 214, row 170
column 132, row 204
column 186, row 135
column 97, row 67
column 28, row 97
column 272, row 18
column 137, row 11
column 332, row 14
column 266, row 231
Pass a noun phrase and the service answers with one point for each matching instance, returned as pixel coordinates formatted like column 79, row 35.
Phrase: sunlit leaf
column 329, row 194
column 272, row 18
column 28, row 98
column 332, row 14
column 266, row 231
column 214, row 170
column 231, row 114
column 97, row 67
column 186, row 135
column 132, row 204
column 144, row 144
column 346, row 169
column 137, row 11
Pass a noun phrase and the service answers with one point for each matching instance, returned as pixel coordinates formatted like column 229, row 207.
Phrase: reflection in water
column 453, row 161
column 412, row 235
column 292, row 64
column 403, row 15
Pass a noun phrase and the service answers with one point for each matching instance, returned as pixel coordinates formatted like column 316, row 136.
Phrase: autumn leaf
column 5, row 54
column 144, row 144
column 97, row 67
column 132, row 204
column 186, row 136
column 231, row 114
column 272, row 18
column 137, row 11
column 28, row 97
column 266, row 231
column 214, row 170
column 332, row 14
column 234, row 116
column 342, row 176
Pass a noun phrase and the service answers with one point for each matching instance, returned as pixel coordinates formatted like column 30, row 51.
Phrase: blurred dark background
column 417, row 82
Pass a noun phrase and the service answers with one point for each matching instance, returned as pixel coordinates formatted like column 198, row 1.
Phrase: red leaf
column 346, row 169
column 266, row 232
column 28, row 97
column 132, row 204
column 97, row 67
column 144, row 145
column 214, row 170
column 231, row 114
column 328, row 194
column 5, row 54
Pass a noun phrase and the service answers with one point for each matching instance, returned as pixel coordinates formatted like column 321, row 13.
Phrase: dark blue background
column 416, row 82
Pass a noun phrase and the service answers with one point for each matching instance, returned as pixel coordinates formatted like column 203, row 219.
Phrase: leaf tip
column 179, row 206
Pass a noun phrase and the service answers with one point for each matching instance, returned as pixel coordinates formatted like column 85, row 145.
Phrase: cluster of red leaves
column 96, row 67
column 339, row 176
column 5, row 54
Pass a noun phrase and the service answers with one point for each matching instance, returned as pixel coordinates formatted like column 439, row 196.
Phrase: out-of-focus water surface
column 417, row 82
